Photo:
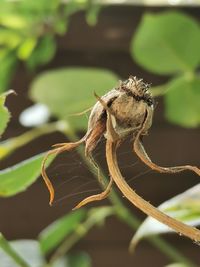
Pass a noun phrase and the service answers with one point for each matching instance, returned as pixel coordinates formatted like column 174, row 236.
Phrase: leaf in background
column 71, row 90
column 93, row 13
column 26, row 48
column 183, row 207
column 182, row 101
column 167, row 43
column 56, row 232
column 29, row 251
column 43, row 52
column 80, row 259
column 17, row 178
column 4, row 114
column 7, row 68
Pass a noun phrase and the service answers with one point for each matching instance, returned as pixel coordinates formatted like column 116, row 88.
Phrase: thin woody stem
column 139, row 202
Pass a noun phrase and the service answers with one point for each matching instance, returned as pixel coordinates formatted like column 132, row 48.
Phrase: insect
column 125, row 110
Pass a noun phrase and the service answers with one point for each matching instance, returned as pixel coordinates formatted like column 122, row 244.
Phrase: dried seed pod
column 128, row 105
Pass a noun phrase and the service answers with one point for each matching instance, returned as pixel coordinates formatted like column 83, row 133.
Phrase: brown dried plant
column 123, row 111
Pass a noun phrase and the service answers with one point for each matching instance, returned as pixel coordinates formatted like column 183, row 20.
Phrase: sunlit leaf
column 71, row 90
column 29, row 251
column 56, row 232
column 182, row 102
column 17, row 178
column 12, row 21
column 183, row 207
column 167, row 43
column 26, row 48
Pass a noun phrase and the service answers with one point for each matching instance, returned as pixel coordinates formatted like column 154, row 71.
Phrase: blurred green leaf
column 56, row 232
column 26, row 48
column 92, row 14
column 28, row 250
column 9, row 38
column 71, row 90
column 183, row 207
column 7, row 68
column 167, row 43
column 4, row 114
column 17, row 178
column 43, row 52
column 182, row 100
column 80, row 259
column 12, row 21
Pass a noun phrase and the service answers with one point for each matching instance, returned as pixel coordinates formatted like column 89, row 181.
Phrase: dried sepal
column 97, row 197
column 59, row 149
column 139, row 149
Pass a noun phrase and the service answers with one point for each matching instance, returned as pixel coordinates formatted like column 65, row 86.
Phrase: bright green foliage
column 56, row 232
column 167, row 43
column 183, row 102
column 183, row 207
column 28, row 29
column 17, row 178
column 4, row 114
column 71, row 90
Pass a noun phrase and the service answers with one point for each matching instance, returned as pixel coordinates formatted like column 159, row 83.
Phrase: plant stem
column 10, row 145
column 4, row 244
column 127, row 216
column 81, row 230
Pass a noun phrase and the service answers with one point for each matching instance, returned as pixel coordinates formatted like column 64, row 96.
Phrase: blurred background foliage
column 166, row 43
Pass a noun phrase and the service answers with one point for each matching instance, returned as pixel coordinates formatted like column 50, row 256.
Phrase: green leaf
column 43, row 52
column 93, row 13
column 71, row 90
column 80, row 259
column 177, row 265
column 28, row 250
column 56, row 232
column 182, row 100
column 26, row 48
column 17, row 178
column 183, row 207
column 4, row 114
column 7, row 68
column 167, row 43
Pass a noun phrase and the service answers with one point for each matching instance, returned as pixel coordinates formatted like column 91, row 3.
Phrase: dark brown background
column 23, row 216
